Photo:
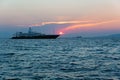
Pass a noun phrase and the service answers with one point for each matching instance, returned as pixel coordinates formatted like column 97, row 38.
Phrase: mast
column 30, row 30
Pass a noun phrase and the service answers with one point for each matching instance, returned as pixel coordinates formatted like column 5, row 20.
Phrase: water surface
column 60, row 59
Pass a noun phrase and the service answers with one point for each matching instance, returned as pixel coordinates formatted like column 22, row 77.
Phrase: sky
column 72, row 17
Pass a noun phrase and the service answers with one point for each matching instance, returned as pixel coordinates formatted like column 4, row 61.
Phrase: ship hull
column 37, row 37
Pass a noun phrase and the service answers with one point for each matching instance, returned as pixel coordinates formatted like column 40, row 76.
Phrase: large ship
column 34, row 35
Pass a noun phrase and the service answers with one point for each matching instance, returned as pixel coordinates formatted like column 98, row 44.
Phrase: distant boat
column 33, row 35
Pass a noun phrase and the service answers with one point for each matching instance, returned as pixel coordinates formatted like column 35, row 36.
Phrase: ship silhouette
column 33, row 35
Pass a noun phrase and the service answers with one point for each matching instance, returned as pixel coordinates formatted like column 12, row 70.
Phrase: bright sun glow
column 61, row 33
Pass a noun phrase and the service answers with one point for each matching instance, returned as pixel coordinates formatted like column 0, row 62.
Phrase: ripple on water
column 60, row 59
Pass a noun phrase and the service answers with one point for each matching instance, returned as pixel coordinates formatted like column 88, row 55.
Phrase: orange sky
column 78, row 14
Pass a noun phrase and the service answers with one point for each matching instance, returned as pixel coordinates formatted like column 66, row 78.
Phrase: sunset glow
column 61, row 33
column 92, row 24
column 74, row 16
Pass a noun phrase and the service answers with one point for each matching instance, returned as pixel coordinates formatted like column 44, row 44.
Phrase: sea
column 60, row 59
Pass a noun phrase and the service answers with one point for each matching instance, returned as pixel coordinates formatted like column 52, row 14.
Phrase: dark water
column 60, row 59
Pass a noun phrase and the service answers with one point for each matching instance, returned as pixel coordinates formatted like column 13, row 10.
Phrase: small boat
column 34, row 35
